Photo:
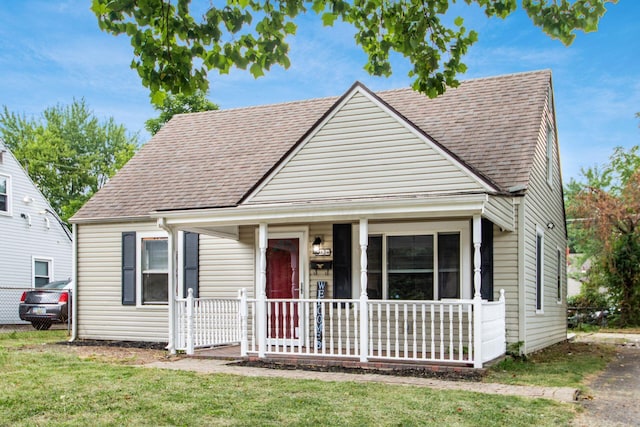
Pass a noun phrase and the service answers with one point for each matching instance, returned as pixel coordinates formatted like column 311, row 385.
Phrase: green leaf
column 256, row 71
column 290, row 28
column 328, row 19
column 158, row 97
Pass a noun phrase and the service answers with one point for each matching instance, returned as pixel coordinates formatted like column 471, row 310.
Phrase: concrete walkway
column 209, row 366
column 615, row 393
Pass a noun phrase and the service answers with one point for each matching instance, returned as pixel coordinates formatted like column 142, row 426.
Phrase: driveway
column 615, row 397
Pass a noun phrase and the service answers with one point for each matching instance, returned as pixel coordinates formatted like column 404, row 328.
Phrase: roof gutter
column 442, row 205
column 111, row 219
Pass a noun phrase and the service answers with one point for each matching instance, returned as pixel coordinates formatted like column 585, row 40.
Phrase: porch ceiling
column 223, row 222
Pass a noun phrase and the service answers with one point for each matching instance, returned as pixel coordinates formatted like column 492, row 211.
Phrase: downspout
column 74, row 281
column 522, row 306
column 171, row 346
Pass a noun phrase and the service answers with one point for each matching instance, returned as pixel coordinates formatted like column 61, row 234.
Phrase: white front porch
column 462, row 332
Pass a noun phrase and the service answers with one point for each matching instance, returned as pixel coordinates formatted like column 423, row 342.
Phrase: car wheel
column 41, row 325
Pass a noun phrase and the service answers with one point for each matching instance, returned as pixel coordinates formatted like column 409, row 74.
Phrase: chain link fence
column 578, row 317
column 26, row 308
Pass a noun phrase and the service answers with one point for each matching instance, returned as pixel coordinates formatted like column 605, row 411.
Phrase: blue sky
column 53, row 51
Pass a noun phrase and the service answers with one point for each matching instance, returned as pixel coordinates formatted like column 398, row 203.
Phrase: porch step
column 343, row 364
column 222, row 352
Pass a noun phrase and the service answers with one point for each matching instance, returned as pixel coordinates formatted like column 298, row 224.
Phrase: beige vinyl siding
column 101, row 314
column 505, row 276
column 326, row 231
column 225, row 267
column 362, row 151
column 500, row 210
column 544, row 204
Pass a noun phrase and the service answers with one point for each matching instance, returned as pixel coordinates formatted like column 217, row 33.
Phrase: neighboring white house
column 374, row 226
column 36, row 246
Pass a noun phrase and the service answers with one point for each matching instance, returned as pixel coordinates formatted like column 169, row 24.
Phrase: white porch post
column 477, row 298
column 364, row 313
column 261, row 311
column 242, row 296
column 172, row 281
column 190, row 307
column 477, row 260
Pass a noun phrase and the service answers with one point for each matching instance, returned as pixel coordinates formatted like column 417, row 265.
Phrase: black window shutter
column 191, row 261
column 486, row 263
column 341, row 260
column 129, row 268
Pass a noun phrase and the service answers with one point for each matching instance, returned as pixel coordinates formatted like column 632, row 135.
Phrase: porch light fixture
column 316, row 245
column 550, row 225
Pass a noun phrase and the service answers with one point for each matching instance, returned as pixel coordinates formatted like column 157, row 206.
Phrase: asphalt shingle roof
column 213, row 158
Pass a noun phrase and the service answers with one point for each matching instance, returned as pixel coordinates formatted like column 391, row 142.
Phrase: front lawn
column 43, row 385
column 565, row 364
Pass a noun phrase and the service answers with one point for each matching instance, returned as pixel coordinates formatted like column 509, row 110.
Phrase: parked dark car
column 46, row 305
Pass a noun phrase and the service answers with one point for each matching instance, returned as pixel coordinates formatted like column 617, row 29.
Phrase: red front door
column 283, row 284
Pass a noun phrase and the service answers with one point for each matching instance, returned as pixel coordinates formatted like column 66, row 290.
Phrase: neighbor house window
column 420, row 266
column 5, row 194
column 154, row 270
column 42, row 269
column 539, row 270
column 550, row 140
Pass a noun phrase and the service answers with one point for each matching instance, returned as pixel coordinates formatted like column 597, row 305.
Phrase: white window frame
column 9, row 211
column 539, row 273
column 427, row 228
column 35, row 259
column 549, row 147
column 140, row 236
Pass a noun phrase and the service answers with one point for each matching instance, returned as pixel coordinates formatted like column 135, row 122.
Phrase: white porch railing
column 493, row 329
column 308, row 327
column 207, row 322
column 463, row 332
column 423, row 331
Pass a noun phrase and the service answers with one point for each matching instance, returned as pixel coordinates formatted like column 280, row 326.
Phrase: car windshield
column 60, row 284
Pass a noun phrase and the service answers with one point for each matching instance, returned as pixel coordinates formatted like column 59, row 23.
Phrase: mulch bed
column 145, row 345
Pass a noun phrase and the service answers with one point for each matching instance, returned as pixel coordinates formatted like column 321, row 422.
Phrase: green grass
column 31, row 337
column 41, row 385
column 566, row 364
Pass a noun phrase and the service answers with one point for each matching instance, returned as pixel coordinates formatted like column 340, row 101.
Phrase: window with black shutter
column 486, row 260
column 191, row 243
column 129, row 268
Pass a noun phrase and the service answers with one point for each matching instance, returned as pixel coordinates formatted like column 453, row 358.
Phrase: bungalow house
column 371, row 226
column 36, row 245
